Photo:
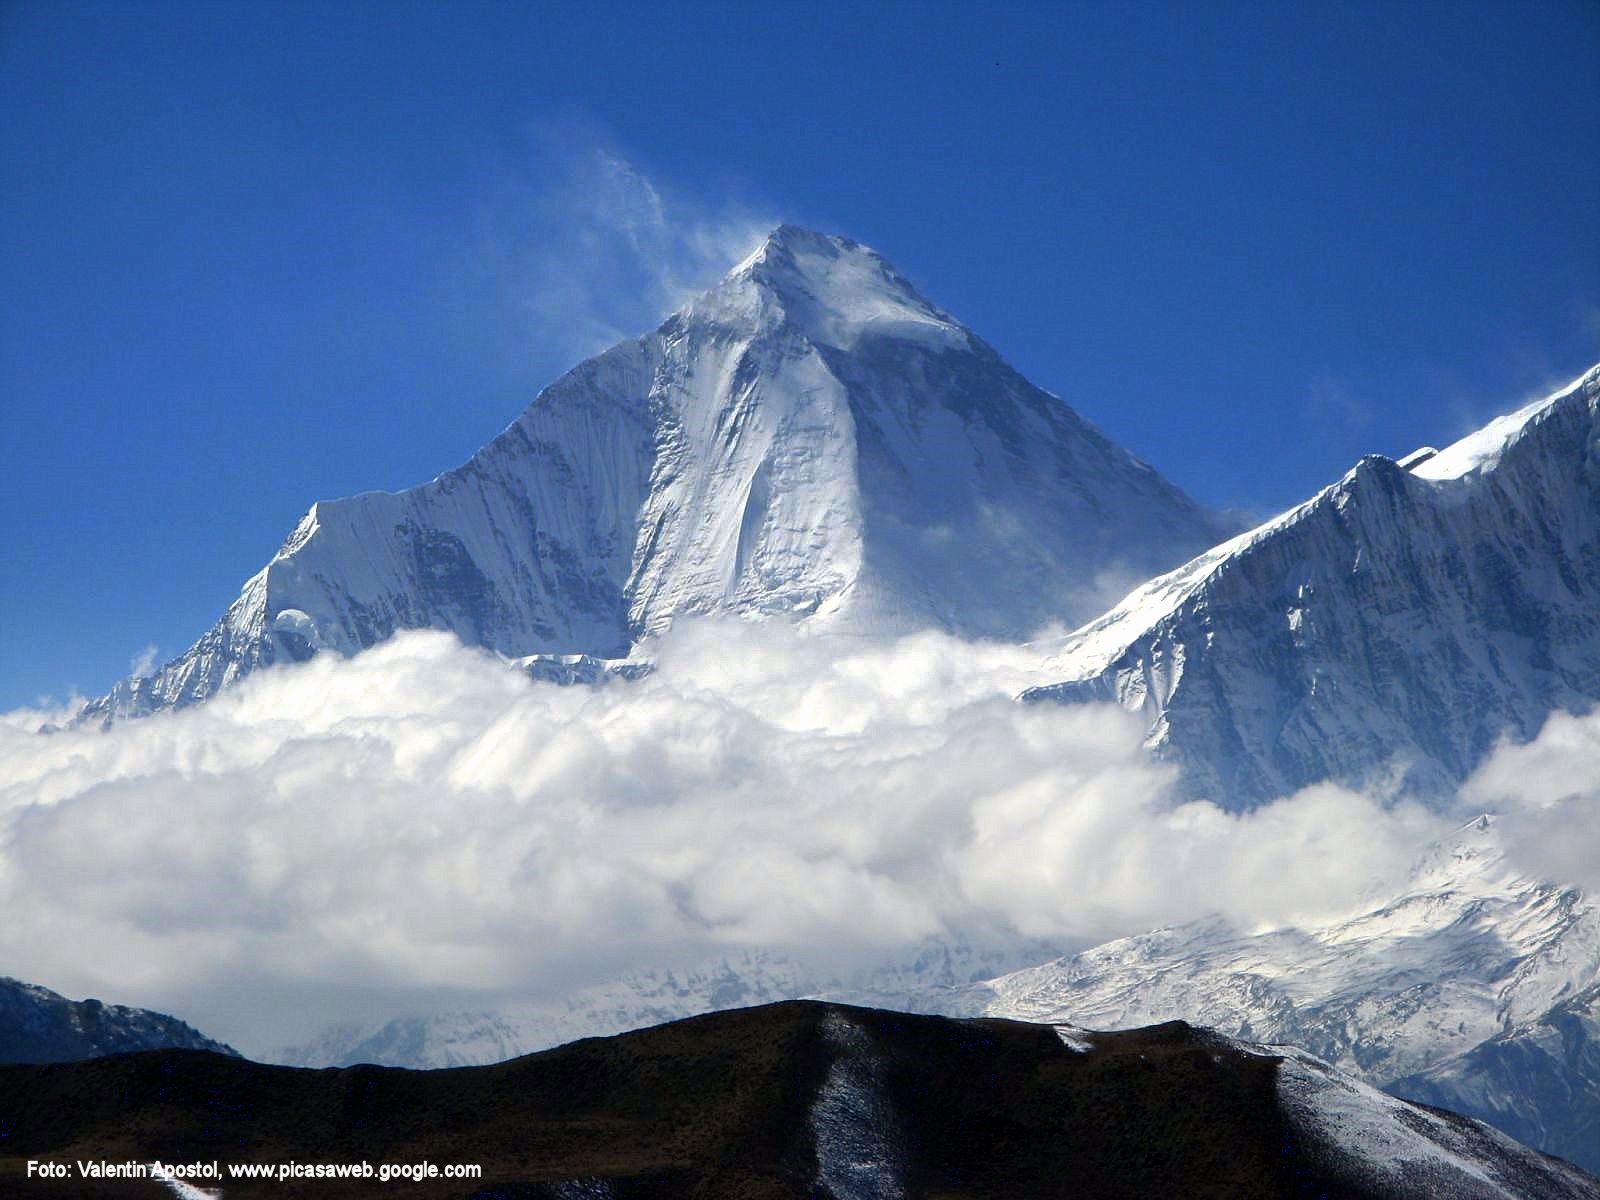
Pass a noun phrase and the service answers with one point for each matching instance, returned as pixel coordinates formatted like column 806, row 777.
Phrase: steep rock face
column 1385, row 633
column 1474, row 988
column 810, row 439
column 39, row 1026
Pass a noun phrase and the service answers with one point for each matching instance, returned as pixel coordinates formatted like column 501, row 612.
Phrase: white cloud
column 144, row 662
column 48, row 712
column 1550, row 787
column 419, row 821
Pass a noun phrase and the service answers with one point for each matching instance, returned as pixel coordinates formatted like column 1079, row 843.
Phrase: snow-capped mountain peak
column 1393, row 627
column 809, row 440
column 833, row 291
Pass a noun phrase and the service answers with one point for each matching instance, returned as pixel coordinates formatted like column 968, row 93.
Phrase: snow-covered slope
column 1538, row 1080
column 1475, row 989
column 810, row 438
column 1386, row 632
column 1385, row 1146
column 38, row 1026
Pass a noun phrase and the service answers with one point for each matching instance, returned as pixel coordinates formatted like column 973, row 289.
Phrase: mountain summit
column 833, row 291
column 809, row 439
column 1387, row 633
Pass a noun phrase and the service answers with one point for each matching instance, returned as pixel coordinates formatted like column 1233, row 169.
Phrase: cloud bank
column 355, row 838
column 1550, row 788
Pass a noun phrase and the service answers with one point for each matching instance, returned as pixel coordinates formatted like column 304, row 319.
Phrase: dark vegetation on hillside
column 719, row 1106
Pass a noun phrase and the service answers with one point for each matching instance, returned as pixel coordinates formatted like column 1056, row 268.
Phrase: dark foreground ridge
column 799, row 1099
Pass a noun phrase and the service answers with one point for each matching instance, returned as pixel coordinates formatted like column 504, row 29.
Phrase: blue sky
column 254, row 255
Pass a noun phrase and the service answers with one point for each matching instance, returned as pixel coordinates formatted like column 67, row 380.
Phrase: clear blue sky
column 252, row 255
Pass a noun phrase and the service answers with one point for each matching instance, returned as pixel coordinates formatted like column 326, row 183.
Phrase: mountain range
column 477, row 1036
column 1473, row 987
column 813, row 441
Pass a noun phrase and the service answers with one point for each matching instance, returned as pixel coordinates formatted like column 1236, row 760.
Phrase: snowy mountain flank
column 1384, row 633
column 1475, row 988
column 38, row 1025
column 811, row 439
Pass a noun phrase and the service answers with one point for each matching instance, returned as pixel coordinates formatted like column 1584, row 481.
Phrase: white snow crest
column 1481, row 450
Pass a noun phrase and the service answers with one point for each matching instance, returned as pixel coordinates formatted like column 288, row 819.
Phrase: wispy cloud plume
column 144, row 662
column 585, row 247
column 1333, row 407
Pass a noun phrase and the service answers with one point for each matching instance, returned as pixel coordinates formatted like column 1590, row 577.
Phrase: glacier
column 811, row 439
